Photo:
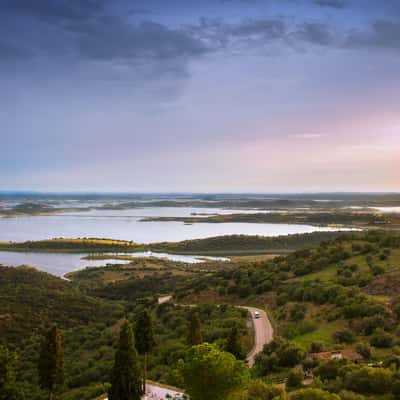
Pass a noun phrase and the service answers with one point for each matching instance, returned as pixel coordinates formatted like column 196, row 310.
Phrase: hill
column 343, row 287
column 219, row 245
column 31, row 300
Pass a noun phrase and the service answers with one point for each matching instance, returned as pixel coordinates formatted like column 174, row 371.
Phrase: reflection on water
column 126, row 225
column 61, row 263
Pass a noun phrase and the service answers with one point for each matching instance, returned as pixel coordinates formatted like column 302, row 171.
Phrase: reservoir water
column 126, row 225
column 61, row 263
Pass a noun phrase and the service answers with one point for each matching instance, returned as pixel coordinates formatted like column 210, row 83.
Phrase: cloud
column 9, row 52
column 382, row 34
column 307, row 136
column 90, row 30
column 316, row 33
column 113, row 38
column 260, row 32
column 60, row 10
column 338, row 4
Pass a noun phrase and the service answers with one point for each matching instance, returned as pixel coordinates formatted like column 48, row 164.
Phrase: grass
column 323, row 334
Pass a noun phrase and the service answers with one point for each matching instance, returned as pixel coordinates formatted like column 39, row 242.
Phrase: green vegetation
column 144, row 337
column 194, row 336
column 28, row 208
column 330, row 218
column 8, row 384
column 126, row 381
column 220, row 245
column 335, row 310
column 140, row 278
column 210, row 373
column 336, row 297
column 51, row 363
column 31, row 301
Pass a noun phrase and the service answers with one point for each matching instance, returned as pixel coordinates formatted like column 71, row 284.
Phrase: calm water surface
column 59, row 263
column 126, row 225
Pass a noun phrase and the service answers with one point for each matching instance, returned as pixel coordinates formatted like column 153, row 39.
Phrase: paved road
column 157, row 393
column 154, row 392
column 263, row 333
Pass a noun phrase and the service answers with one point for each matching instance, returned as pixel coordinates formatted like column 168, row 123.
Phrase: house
column 347, row 354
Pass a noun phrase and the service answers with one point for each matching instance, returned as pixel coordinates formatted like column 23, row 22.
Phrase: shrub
column 367, row 380
column 329, row 369
column 364, row 349
column 259, row 390
column 295, row 378
column 382, row 339
column 344, row 336
column 313, row 394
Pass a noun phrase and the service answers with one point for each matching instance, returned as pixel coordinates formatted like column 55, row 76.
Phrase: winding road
column 263, row 330
column 263, row 333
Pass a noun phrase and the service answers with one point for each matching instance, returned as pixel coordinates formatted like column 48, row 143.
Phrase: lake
column 126, row 225
column 61, row 263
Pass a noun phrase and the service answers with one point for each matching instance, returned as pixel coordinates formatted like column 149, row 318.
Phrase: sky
column 200, row 96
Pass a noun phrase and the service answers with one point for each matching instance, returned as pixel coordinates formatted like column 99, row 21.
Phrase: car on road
column 256, row 315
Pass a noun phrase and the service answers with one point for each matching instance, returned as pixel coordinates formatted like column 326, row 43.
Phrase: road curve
column 263, row 333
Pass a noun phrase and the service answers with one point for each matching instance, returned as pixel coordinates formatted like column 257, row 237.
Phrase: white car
column 256, row 314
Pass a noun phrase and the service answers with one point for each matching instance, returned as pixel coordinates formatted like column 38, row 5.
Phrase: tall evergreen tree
column 194, row 332
column 51, row 362
column 234, row 345
column 8, row 385
column 126, row 381
column 144, row 339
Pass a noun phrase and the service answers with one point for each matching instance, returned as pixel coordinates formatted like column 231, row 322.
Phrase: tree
column 126, row 381
column 144, row 339
column 313, row 394
column 194, row 332
column 382, row 339
column 344, row 336
column 259, row 390
column 210, row 373
column 278, row 354
column 329, row 369
column 346, row 395
column 51, row 362
column 234, row 345
column 8, row 384
column 367, row 380
column 295, row 378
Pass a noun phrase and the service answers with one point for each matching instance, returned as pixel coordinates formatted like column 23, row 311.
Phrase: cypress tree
column 51, row 362
column 194, row 332
column 234, row 345
column 8, row 385
column 144, row 339
column 126, row 381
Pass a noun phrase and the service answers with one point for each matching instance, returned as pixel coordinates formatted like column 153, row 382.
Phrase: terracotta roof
column 347, row 354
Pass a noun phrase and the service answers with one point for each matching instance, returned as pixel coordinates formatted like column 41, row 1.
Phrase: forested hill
column 339, row 293
column 30, row 301
column 219, row 245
